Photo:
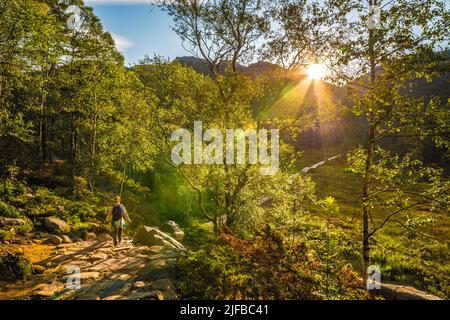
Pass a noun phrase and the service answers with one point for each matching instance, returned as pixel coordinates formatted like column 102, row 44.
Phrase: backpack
column 117, row 212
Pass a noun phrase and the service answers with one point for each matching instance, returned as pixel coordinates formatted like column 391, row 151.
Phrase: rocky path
column 96, row 270
column 318, row 164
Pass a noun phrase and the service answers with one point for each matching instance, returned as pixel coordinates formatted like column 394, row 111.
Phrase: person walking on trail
column 118, row 215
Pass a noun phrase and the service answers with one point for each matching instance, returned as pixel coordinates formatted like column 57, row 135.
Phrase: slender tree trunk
column 366, row 201
column 124, row 174
column 368, row 162
column 73, row 139
column 93, row 150
column 43, row 127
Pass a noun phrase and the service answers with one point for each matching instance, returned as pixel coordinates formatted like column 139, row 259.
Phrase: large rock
column 55, row 225
column 397, row 292
column 90, row 236
column 66, row 239
column 37, row 269
column 90, row 227
column 172, row 228
column 94, row 227
column 103, row 237
column 45, row 290
column 158, row 269
column 12, row 222
column 55, row 240
column 152, row 295
column 150, row 236
column 163, row 285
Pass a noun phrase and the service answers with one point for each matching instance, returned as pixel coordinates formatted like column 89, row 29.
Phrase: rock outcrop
column 55, row 225
column 55, row 240
column 103, row 237
column 151, row 236
column 172, row 228
column 12, row 222
column 398, row 292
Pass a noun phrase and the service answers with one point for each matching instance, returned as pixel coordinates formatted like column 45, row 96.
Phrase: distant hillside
column 292, row 94
column 255, row 69
column 201, row 66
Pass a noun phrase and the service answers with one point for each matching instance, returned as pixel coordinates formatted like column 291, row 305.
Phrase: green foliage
column 5, row 235
column 423, row 264
column 268, row 267
column 402, row 184
column 8, row 211
column 66, row 95
column 413, row 253
column 199, row 236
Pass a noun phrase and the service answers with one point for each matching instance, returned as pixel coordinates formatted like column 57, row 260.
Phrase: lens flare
column 316, row 71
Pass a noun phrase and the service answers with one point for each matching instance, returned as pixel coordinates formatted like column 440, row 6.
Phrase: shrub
column 267, row 268
column 8, row 211
column 5, row 235
column 14, row 266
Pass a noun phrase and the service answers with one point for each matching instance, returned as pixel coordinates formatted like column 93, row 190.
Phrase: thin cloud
column 121, row 42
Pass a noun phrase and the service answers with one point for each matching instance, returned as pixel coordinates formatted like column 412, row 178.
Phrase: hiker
column 118, row 215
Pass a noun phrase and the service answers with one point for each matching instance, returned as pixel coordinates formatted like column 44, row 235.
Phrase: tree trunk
column 43, row 128
column 93, row 149
column 73, row 139
column 366, row 201
column 368, row 163
column 124, row 174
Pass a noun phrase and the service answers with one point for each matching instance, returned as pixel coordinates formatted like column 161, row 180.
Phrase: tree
column 65, row 94
column 222, row 32
column 394, row 57
column 381, row 66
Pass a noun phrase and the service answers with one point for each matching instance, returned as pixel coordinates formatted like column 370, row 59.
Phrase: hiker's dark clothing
column 118, row 214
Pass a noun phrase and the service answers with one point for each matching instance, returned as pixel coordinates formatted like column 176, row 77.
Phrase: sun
column 316, row 71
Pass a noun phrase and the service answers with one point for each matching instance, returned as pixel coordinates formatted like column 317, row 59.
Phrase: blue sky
column 138, row 28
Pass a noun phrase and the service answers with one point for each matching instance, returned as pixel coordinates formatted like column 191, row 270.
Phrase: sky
column 138, row 28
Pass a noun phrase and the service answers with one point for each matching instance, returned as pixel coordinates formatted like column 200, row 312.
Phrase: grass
column 405, row 257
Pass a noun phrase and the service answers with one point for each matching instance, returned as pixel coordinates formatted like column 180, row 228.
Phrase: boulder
column 179, row 235
column 55, row 240
column 103, row 237
column 158, row 269
column 91, row 227
column 94, row 227
column 55, row 225
column 12, row 222
column 89, row 236
column 163, row 285
column 150, row 236
column 37, row 269
column 398, row 292
column 45, row 291
column 139, row 285
column 151, row 295
column 66, row 239
column 169, row 227
column 172, row 228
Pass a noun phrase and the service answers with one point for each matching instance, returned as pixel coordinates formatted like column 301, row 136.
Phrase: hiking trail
column 129, row 271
